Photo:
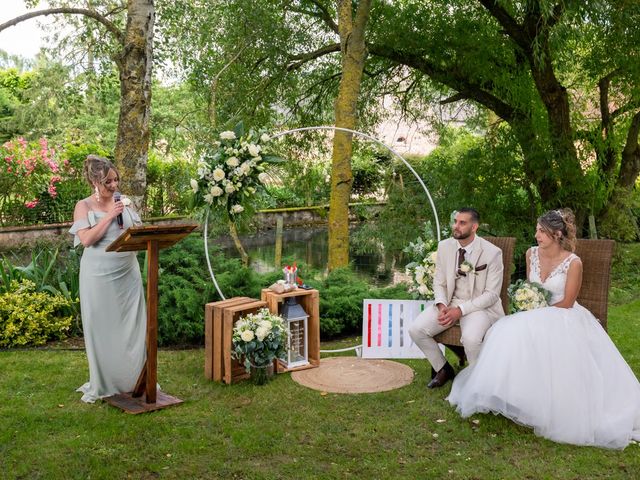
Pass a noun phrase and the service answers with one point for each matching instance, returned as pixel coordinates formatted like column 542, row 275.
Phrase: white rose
column 263, row 177
column 245, row 168
column 423, row 290
column 216, row 191
column 233, row 161
column 254, row 150
column 194, row 185
column 247, row 335
column 261, row 333
column 237, row 209
column 229, row 188
column 218, row 174
column 208, row 198
column 227, row 135
column 265, row 138
column 420, row 274
column 266, row 324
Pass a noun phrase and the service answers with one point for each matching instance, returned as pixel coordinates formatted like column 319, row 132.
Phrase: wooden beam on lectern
column 145, row 396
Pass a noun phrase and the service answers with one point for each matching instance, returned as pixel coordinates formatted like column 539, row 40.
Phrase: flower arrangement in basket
column 258, row 339
column 525, row 295
column 231, row 170
column 422, row 268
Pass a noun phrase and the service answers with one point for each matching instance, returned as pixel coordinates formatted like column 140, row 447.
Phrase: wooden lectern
column 145, row 396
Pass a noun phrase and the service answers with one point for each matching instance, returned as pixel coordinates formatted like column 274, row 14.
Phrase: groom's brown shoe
column 445, row 374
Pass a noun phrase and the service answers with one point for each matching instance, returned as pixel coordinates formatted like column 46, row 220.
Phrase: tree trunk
column 134, row 65
column 353, row 57
column 236, row 241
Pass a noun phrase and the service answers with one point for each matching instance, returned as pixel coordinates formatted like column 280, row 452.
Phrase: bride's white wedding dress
column 556, row 370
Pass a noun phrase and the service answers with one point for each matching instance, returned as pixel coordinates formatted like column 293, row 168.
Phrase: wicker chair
column 451, row 336
column 596, row 256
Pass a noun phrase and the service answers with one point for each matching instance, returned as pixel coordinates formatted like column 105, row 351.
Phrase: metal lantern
column 296, row 323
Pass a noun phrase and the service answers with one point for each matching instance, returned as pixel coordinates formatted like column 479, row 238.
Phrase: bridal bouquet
column 525, row 295
column 231, row 170
column 423, row 267
column 257, row 340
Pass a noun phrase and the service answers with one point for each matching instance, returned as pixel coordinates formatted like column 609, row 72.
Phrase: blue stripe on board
column 390, row 325
column 402, row 324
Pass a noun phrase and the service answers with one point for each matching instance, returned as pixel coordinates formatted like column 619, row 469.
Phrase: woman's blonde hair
column 561, row 225
column 96, row 169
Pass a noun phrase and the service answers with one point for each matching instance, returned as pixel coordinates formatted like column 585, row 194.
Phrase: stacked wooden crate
column 220, row 318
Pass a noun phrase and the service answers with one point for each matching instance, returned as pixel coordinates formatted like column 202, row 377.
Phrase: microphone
column 116, row 198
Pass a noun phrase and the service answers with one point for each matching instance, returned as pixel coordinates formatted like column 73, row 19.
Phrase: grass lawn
column 281, row 430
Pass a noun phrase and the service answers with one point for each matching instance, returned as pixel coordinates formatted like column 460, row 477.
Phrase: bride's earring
column 97, row 193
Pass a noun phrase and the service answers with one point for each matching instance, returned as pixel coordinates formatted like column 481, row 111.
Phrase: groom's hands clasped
column 447, row 316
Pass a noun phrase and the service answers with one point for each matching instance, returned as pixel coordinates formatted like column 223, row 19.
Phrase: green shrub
column 184, row 287
column 167, row 186
column 341, row 296
column 53, row 274
column 28, row 317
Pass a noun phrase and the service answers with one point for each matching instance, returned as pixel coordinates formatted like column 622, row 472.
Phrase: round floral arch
column 327, row 127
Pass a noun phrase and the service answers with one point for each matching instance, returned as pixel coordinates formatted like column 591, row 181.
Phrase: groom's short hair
column 475, row 216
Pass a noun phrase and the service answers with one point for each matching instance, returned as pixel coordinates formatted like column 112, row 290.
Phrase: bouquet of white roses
column 423, row 267
column 231, row 170
column 259, row 338
column 525, row 295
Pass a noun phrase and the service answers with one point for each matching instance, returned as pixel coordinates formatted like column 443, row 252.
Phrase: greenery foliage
column 30, row 317
column 166, row 185
column 51, row 273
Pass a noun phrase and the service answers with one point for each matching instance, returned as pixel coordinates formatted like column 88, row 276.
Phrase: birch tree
column 134, row 60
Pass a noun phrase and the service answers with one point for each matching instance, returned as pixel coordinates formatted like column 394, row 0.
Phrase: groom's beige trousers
column 426, row 326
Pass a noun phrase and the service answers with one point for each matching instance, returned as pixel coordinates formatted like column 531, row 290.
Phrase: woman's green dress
column 113, row 311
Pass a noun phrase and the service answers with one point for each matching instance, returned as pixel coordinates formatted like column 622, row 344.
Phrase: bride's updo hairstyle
column 561, row 225
column 96, row 169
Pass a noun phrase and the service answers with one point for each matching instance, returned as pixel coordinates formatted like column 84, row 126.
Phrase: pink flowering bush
column 29, row 171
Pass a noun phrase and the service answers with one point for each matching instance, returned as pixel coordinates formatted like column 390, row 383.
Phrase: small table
column 310, row 302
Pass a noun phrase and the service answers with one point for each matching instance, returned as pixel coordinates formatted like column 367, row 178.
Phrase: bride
column 554, row 368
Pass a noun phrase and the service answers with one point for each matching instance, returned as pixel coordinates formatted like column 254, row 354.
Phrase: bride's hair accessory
column 560, row 224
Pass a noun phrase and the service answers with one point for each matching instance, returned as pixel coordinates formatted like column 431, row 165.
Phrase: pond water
column 310, row 245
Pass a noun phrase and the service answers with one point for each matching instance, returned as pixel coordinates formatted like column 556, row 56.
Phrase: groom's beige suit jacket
column 486, row 282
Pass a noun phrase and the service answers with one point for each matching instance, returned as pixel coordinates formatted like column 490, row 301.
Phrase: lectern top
column 137, row 237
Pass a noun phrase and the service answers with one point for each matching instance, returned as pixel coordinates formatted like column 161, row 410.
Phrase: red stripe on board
column 369, row 326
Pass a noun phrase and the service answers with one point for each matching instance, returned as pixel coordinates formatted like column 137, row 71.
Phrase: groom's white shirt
column 484, row 285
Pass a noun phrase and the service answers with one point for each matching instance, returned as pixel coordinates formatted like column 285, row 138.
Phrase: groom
column 467, row 287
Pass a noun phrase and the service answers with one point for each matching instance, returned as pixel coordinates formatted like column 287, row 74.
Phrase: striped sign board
column 385, row 328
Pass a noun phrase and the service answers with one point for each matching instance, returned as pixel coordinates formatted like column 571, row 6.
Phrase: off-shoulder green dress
column 113, row 311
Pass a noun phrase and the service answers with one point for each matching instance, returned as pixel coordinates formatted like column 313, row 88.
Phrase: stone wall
column 21, row 237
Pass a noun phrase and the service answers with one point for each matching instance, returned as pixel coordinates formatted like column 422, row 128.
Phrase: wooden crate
column 219, row 320
column 310, row 302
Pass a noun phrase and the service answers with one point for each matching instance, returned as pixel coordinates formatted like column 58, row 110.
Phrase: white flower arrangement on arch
column 231, row 170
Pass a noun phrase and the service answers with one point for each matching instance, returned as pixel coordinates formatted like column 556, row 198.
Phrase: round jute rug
column 355, row 375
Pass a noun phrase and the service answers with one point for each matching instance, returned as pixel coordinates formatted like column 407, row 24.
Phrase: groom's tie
column 461, row 252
